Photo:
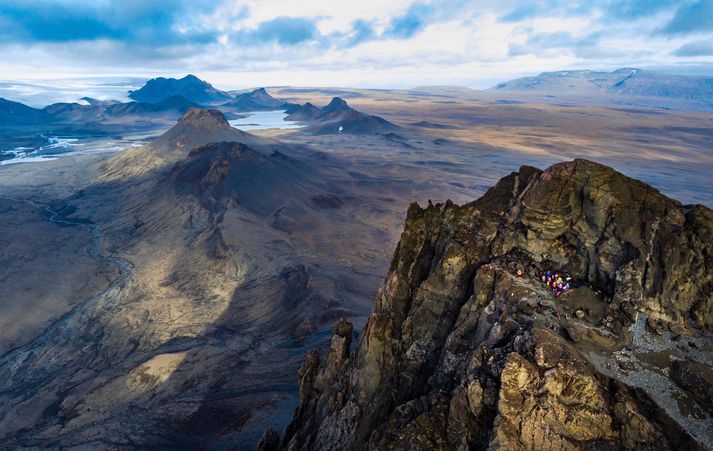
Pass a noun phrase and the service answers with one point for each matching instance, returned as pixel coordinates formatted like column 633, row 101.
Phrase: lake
column 263, row 120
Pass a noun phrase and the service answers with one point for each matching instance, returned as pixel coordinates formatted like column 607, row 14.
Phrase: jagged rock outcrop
column 696, row 378
column 461, row 353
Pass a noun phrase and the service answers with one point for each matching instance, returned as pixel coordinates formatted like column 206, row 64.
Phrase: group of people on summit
column 558, row 283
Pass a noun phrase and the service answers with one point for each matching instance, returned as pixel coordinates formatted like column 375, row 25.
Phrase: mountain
column 169, row 109
column 302, row 113
column 256, row 100
column 174, row 106
column 14, row 113
column 622, row 82
column 237, row 173
column 189, row 87
column 466, row 348
column 199, row 126
column 338, row 117
column 73, row 111
column 195, row 128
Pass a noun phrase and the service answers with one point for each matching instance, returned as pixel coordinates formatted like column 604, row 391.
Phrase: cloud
column 691, row 18
column 521, row 12
column 455, row 40
column 160, row 22
column 696, row 48
column 284, row 30
column 634, row 9
column 362, row 31
column 544, row 8
column 411, row 22
column 561, row 40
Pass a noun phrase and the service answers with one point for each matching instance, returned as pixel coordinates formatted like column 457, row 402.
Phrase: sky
column 362, row 43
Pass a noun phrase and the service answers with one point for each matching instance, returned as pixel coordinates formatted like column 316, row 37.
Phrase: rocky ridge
column 460, row 353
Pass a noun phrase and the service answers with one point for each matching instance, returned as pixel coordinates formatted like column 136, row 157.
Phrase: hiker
column 518, row 273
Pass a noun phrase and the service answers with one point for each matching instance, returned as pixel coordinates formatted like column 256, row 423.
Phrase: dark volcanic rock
column 227, row 173
column 269, row 441
column 696, row 378
column 459, row 353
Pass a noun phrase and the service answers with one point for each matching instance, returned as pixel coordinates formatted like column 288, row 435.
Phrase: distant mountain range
column 336, row 117
column 14, row 113
column 630, row 82
column 160, row 99
column 194, row 89
column 166, row 99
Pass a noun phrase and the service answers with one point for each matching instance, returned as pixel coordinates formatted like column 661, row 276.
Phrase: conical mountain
column 196, row 127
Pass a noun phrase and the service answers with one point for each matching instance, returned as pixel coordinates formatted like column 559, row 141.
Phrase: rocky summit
column 467, row 348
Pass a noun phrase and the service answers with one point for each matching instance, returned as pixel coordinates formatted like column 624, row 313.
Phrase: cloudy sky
column 369, row 43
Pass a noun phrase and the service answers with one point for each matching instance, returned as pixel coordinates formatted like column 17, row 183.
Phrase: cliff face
column 461, row 353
